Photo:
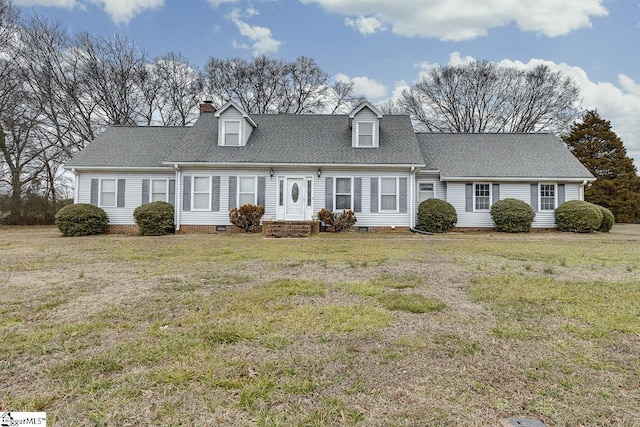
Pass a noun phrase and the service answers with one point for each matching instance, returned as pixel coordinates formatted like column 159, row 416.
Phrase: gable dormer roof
column 231, row 103
column 365, row 104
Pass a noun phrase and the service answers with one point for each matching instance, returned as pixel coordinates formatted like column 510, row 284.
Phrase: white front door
column 295, row 199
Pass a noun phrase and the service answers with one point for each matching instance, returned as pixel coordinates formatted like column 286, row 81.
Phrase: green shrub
column 578, row 216
column 339, row 222
column 607, row 219
column 512, row 216
column 436, row 216
column 81, row 220
column 154, row 219
column 247, row 217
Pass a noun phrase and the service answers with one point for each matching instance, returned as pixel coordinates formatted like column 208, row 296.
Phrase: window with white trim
column 547, row 197
column 388, row 194
column 201, row 193
column 482, row 196
column 426, row 190
column 159, row 189
column 343, row 194
column 231, row 131
column 108, row 192
column 365, row 131
column 247, row 190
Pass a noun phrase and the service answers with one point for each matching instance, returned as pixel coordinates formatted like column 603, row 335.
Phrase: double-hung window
column 247, row 190
column 158, row 190
column 388, row 194
column 365, row 134
column 343, row 194
column 201, row 193
column 426, row 190
column 547, row 197
column 482, row 196
column 231, row 132
column 108, row 192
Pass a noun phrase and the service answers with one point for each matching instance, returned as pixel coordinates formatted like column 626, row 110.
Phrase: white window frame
column 373, row 134
column 115, row 193
column 193, row 192
column 475, row 196
column 335, row 192
column 166, row 192
column 540, row 196
column 224, row 132
column 254, row 192
column 396, row 194
column 433, row 183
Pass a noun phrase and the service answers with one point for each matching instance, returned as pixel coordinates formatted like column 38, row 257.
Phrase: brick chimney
column 207, row 107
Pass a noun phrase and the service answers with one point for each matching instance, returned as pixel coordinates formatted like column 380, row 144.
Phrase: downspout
column 412, row 204
column 75, row 186
column 178, row 207
column 584, row 183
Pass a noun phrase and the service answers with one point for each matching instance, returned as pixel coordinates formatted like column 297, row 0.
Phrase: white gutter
column 412, row 198
column 513, row 179
column 75, row 185
column 297, row 165
column 584, row 183
column 119, row 168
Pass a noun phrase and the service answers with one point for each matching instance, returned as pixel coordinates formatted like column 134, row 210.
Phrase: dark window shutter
column 121, row 189
column 495, row 193
column 560, row 194
column 403, row 195
column 374, row 195
column 328, row 193
column 186, row 193
column 215, row 193
column 262, row 184
column 95, row 185
column 534, row 197
column 357, row 194
column 145, row 192
column 172, row 192
column 233, row 190
column 468, row 188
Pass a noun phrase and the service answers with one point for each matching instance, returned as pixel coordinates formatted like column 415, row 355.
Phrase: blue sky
column 383, row 46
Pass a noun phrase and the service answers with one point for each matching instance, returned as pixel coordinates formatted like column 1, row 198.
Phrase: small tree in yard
column 617, row 186
column 247, row 217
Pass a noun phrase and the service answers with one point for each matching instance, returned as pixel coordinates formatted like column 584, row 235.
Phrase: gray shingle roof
column 278, row 139
column 300, row 139
column 499, row 156
column 127, row 146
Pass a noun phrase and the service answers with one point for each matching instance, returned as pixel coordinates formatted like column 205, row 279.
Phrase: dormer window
column 231, row 130
column 365, row 134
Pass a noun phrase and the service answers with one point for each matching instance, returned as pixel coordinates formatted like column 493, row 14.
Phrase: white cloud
column 366, row 26
column 467, row 19
column 263, row 41
column 69, row 4
column 219, row 2
column 364, row 86
column 121, row 11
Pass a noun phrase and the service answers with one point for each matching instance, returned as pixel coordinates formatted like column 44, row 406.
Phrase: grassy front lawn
column 338, row 329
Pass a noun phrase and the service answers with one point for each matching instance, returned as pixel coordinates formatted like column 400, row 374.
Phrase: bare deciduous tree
column 484, row 97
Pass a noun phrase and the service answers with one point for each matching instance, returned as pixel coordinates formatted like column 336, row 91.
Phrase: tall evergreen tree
column 617, row 186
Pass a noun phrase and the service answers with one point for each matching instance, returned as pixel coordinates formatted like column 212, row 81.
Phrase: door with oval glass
column 295, row 199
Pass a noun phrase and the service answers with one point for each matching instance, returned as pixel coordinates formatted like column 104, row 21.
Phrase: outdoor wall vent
column 363, row 229
column 221, row 228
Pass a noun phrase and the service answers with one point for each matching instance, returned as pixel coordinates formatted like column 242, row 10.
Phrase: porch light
column 319, row 173
column 271, row 172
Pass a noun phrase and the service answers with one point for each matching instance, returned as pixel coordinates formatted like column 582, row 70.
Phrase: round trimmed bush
column 154, row 219
column 578, row 216
column 512, row 216
column 436, row 216
column 81, row 219
column 607, row 219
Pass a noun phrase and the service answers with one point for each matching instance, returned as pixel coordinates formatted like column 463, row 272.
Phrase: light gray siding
column 368, row 116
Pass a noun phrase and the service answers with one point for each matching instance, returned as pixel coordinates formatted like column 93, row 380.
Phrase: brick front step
column 288, row 228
